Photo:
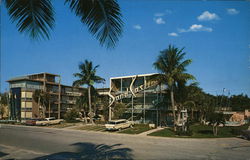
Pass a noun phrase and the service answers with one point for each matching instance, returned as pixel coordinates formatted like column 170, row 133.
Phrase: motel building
column 22, row 105
column 142, row 95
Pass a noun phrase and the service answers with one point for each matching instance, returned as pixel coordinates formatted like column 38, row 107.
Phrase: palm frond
column 79, row 75
column 33, row 17
column 102, row 17
column 87, row 75
column 98, row 79
column 78, row 83
column 170, row 63
column 185, row 77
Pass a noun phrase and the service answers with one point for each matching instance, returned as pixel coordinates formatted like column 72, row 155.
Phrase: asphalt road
column 21, row 142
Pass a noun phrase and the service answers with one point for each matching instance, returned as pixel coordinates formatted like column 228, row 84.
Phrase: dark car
column 246, row 134
column 31, row 122
column 97, row 117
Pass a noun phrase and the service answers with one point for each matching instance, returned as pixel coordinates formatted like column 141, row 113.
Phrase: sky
column 215, row 35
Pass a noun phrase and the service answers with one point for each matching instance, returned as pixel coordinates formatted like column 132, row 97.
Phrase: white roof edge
column 138, row 75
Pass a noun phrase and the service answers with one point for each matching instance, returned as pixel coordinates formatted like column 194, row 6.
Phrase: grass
column 168, row 132
column 137, row 129
column 92, row 128
column 203, row 131
column 62, row 125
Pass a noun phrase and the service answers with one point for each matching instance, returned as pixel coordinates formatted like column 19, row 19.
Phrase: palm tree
column 42, row 99
column 82, row 103
column 187, row 96
column 36, row 18
column 172, row 67
column 87, row 76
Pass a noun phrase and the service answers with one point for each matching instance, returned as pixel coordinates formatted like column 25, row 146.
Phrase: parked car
column 246, row 134
column 48, row 121
column 98, row 117
column 31, row 122
column 118, row 124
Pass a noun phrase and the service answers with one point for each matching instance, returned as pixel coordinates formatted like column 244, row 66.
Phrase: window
column 26, row 94
column 26, row 115
column 26, row 104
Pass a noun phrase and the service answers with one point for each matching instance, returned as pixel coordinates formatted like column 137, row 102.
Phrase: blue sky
column 215, row 35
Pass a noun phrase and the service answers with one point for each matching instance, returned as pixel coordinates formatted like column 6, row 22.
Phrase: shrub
column 236, row 131
column 71, row 115
column 180, row 132
column 119, row 110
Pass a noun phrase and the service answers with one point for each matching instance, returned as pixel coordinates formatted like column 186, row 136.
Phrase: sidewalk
column 151, row 131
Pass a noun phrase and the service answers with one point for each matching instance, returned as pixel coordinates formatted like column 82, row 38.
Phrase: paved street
column 23, row 142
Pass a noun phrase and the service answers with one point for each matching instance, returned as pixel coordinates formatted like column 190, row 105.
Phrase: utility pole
column 59, row 98
column 228, row 99
column 0, row 46
column 222, row 97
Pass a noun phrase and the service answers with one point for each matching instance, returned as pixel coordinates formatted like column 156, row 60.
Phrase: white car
column 118, row 124
column 48, row 121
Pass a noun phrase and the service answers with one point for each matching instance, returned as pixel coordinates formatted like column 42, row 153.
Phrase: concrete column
column 144, row 100
column 59, row 98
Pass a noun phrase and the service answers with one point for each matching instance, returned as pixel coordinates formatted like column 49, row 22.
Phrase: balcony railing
column 73, row 93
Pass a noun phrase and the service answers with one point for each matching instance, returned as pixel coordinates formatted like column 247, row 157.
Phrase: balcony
column 73, row 93
column 71, row 101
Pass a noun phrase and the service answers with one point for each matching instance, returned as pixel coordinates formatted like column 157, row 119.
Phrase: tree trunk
column 110, row 113
column 216, row 130
column 2, row 111
column 90, row 109
column 85, row 118
column 44, row 111
column 38, row 103
column 49, row 108
column 202, row 117
column 173, row 106
column 192, row 114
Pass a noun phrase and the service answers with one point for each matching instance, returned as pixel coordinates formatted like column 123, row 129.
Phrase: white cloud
column 196, row 28
column 207, row 16
column 232, row 11
column 168, row 11
column 137, row 26
column 159, row 14
column 159, row 20
column 173, row 34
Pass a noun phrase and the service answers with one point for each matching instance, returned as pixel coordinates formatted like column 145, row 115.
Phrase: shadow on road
column 93, row 151
column 2, row 154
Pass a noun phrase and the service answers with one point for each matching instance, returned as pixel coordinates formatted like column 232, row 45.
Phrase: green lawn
column 62, row 125
column 202, row 131
column 92, row 128
column 137, row 128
